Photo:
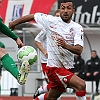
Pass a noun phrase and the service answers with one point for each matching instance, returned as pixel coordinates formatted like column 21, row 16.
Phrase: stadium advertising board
column 13, row 9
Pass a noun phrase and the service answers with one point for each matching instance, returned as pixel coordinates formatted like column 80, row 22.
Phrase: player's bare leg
column 76, row 83
column 53, row 94
column 10, row 66
column 79, row 85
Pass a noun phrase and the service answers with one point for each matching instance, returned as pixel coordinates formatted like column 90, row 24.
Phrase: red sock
column 36, row 98
column 45, row 96
column 81, row 93
column 48, row 87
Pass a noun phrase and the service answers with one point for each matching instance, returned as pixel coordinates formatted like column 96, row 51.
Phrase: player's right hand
column 19, row 43
column 11, row 26
column 45, row 53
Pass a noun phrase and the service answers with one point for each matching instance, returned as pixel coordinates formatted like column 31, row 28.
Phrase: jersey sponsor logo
column 17, row 11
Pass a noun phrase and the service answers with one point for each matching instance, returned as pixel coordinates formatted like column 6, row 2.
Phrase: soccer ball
column 27, row 53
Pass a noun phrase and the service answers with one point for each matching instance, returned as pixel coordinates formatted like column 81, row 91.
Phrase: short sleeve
column 79, row 36
column 43, row 19
column 41, row 36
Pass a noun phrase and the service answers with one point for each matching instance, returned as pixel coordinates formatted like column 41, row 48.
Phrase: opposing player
column 41, row 42
column 2, row 46
column 7, row 61
column 64, row 39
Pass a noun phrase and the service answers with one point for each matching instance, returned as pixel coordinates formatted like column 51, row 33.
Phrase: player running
column 64, row 39
column 41, row 43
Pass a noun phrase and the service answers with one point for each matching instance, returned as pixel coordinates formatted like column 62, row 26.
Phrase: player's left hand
column 19, row 43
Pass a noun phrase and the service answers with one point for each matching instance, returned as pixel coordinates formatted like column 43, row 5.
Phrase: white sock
column 80, row 97
column 41, row 97
column 43, row 89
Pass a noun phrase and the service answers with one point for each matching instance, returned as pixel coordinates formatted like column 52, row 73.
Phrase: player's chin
column 65, row 19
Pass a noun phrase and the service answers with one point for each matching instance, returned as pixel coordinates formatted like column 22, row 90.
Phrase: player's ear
column 73, row 10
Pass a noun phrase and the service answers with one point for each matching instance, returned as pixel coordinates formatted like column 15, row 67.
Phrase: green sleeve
column 5, row 30
column 2, row 45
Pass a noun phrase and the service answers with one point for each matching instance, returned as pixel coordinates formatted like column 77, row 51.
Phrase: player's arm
column 2, row 45
column 39, row 39
column 5, row 30
column 39, row 45
column 77, row 49
column 20, row 20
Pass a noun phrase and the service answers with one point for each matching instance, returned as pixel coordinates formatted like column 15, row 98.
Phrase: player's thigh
column 53, row 94
column 77, row 83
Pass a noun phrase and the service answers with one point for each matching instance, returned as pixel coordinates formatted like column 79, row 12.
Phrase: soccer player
column 64, row 39
column 41, row 43
column 7, row 61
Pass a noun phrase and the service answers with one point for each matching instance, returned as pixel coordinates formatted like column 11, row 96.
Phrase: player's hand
column 19, row 43
column 11, row 26
column 61, row 42
column 45, row 53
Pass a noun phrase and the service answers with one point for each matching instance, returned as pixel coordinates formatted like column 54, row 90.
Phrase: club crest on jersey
column 17, row 11
column 71, row 31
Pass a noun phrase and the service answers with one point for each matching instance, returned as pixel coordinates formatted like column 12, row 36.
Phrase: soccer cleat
column 23, row 72
column 36, row 92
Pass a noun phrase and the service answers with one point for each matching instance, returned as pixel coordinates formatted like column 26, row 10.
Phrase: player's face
column 66, row 11
column 0, row 3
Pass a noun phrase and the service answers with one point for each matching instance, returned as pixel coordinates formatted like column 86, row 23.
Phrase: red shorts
column 58, row 77
column 44, row 67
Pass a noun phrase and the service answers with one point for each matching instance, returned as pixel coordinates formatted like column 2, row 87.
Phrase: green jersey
column 5, row 30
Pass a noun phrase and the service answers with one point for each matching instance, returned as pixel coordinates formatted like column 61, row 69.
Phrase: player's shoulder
column 75, row 24
column 53, row 19
column 49, row 17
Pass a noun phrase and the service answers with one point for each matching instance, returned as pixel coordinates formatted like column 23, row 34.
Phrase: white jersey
column 71, row 32
column 41, row 37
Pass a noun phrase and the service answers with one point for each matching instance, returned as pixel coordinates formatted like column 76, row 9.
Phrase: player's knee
column 2, row 52
column 81, row 86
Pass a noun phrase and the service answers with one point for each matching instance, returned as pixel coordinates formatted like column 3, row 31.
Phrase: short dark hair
column 94, row 51
column 64, row 1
